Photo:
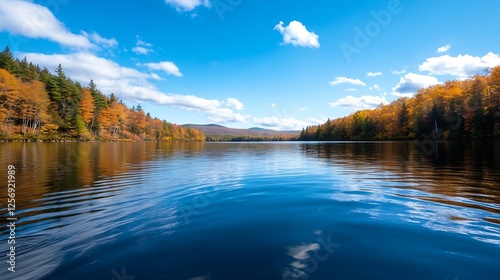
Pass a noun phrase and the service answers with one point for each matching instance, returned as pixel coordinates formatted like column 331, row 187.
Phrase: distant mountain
column 215, row 130
column 259, row 129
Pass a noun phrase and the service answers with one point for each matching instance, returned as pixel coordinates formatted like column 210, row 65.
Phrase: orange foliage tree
column 87, row 107
column 9, row 92
column 33, row 106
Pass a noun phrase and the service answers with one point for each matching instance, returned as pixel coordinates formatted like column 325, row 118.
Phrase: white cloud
column 188, row 5
column 235, row 103
column 155, row 76
column 141, row 50
column 462, row 66
column 374, row 74
column 350, row 89
column 399, row 72
column 410, row 83
column 444, row 48
column 315, row 121
column 297, row 35
column 99, row 40
column 344, row 80
column 142, row 47
column 303, row 109
column 166, row 66
column 31, row 20
column 286, row 123
column 130, row 84
column 359, row 103
column 141, row 43
column 376, row 87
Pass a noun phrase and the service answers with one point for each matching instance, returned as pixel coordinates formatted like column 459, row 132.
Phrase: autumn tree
column 87, row 107
column 104, row 118
column 33, row 106
column 493, row 99
column 9, row 94
column 137, row 122
column 119, row 118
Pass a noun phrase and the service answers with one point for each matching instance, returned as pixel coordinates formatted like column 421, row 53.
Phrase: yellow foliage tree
column 33, row 106
column 87, row 107
column 9, row 92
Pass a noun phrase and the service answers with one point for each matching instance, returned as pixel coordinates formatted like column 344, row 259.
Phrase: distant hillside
column 215, row 132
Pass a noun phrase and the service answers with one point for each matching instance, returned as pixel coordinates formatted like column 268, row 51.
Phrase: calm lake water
column 209, row 211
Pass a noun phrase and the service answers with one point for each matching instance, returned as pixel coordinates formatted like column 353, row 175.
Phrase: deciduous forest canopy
column 38, row 105
column 460, row 109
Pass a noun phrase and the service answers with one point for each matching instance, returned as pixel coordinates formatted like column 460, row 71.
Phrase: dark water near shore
column 209, row 211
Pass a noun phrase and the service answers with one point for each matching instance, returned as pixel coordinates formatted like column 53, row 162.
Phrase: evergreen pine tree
column 8, row 62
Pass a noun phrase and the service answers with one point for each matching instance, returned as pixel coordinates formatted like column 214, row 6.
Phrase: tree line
column 459, row 109
column 38, row 105
column 250, row 138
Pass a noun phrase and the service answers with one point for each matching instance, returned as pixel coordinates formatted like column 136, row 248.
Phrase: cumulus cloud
column 297, row 35
column 444, row 49
column 132, row 85
column 235, row 103
column 410, row 83
column 188, row 5
column 166, row 66
column 286, row 123
column 359, row 103
column 374, row 74
column 31, row 20
column 461, row 66
column 344, row 80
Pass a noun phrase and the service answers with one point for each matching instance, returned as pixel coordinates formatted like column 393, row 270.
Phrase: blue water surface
column 294, row 210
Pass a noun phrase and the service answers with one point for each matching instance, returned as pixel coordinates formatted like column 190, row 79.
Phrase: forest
column 36, row 105
column 459, row 109
column 250, row 138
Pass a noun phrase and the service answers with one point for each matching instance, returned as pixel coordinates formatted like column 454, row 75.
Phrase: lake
column 283, row 210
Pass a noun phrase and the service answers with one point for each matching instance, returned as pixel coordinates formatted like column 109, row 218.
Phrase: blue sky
column 281, row 64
